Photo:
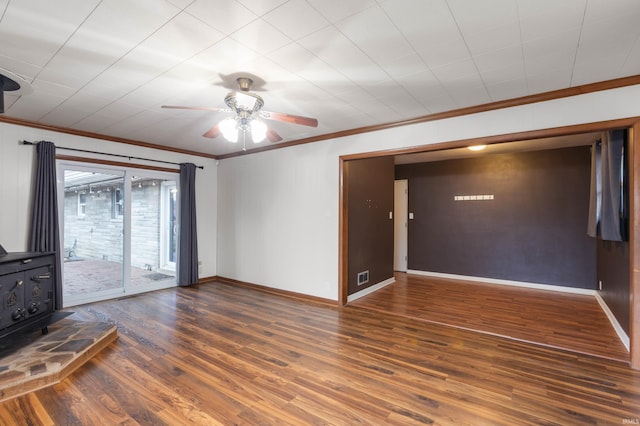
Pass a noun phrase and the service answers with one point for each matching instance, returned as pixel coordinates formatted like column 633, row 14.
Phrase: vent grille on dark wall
column 363, row 277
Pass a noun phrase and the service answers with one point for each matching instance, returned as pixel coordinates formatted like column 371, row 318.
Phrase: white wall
column 277, row 219
column 278, row 210
column 16, row 170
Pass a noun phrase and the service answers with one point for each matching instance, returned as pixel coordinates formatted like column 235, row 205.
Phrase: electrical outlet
column 599, row 284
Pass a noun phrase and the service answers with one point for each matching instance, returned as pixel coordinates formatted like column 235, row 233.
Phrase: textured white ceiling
column 106, row 66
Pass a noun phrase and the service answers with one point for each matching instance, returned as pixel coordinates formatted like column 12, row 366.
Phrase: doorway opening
column 400, row 224
column 504, row 141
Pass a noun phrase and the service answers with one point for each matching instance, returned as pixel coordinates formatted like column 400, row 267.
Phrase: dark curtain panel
column 624, row 197
column 45, row 234
column 188, row 251
column 612, row 149
column 595, row 190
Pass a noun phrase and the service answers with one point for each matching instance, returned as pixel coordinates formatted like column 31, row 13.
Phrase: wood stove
column 27, row 289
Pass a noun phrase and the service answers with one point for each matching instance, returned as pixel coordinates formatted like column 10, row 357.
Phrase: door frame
column 128, row 171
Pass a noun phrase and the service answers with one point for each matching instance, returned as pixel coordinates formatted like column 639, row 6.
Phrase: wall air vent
column 363, row 277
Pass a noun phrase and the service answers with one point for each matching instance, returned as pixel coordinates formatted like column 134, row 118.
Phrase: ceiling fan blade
column 213, row 132
column 288, row 118
column 273, row 136
column 196, row 108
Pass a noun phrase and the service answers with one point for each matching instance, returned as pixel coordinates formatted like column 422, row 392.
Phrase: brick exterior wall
column 98, row 234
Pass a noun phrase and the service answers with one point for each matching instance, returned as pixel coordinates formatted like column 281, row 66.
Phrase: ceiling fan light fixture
column 247, row 107
column 229, row 129
column 258, row 131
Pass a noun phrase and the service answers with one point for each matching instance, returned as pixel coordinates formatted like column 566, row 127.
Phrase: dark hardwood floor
column 561, row 320
column 223, row 354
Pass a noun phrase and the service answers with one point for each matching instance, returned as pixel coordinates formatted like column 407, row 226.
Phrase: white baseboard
column 505, row 282
column 614, row 322
column 370, row 289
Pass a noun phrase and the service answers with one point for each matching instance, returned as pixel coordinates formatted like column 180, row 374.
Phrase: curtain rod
column 130, row 157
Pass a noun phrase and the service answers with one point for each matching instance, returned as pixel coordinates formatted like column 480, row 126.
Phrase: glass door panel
column 153, row 227
column 92, row 241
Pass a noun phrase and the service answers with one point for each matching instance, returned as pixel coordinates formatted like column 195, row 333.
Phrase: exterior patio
column 92, row 275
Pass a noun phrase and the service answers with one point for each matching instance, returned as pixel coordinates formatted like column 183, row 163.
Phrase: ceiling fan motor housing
column 244, row 83
column 244, row 101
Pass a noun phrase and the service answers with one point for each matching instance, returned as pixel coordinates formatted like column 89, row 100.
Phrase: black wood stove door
column 39, row 291
column 27, row 291
column 12, row 288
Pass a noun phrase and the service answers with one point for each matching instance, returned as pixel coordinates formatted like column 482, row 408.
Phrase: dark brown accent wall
column 613, row 264
column 370, row 231
column 613, row 270
column 534, row 229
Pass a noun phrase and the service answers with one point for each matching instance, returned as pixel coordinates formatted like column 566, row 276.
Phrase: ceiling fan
column 247, row 107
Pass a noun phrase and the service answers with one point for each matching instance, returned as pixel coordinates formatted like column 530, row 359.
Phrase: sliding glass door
column 93, row 243
column 153, row 232
column 118, row 231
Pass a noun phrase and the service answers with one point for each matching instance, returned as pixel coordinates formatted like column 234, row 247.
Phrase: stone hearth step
column 34, row 361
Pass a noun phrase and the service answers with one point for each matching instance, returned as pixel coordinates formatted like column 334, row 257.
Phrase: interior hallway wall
column 370, row 201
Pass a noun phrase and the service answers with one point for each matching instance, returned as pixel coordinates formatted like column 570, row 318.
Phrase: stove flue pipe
column 6, row 84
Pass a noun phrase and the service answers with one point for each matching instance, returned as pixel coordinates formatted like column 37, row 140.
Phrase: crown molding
column 508, row 103
column 69, row 131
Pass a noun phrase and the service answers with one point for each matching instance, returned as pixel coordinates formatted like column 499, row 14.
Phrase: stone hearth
column 33, row 361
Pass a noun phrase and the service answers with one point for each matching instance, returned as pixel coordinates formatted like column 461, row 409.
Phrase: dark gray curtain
column 606, row 204
column 612, row 149
column 45, row 234
column 188, row 251
column 595, row 190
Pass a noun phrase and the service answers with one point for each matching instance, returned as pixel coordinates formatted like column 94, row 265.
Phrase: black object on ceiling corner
column 6, row 84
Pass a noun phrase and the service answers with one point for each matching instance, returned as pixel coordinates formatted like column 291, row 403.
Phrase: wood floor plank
column 27, row 409
column 574, row 322
column 223, row 354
